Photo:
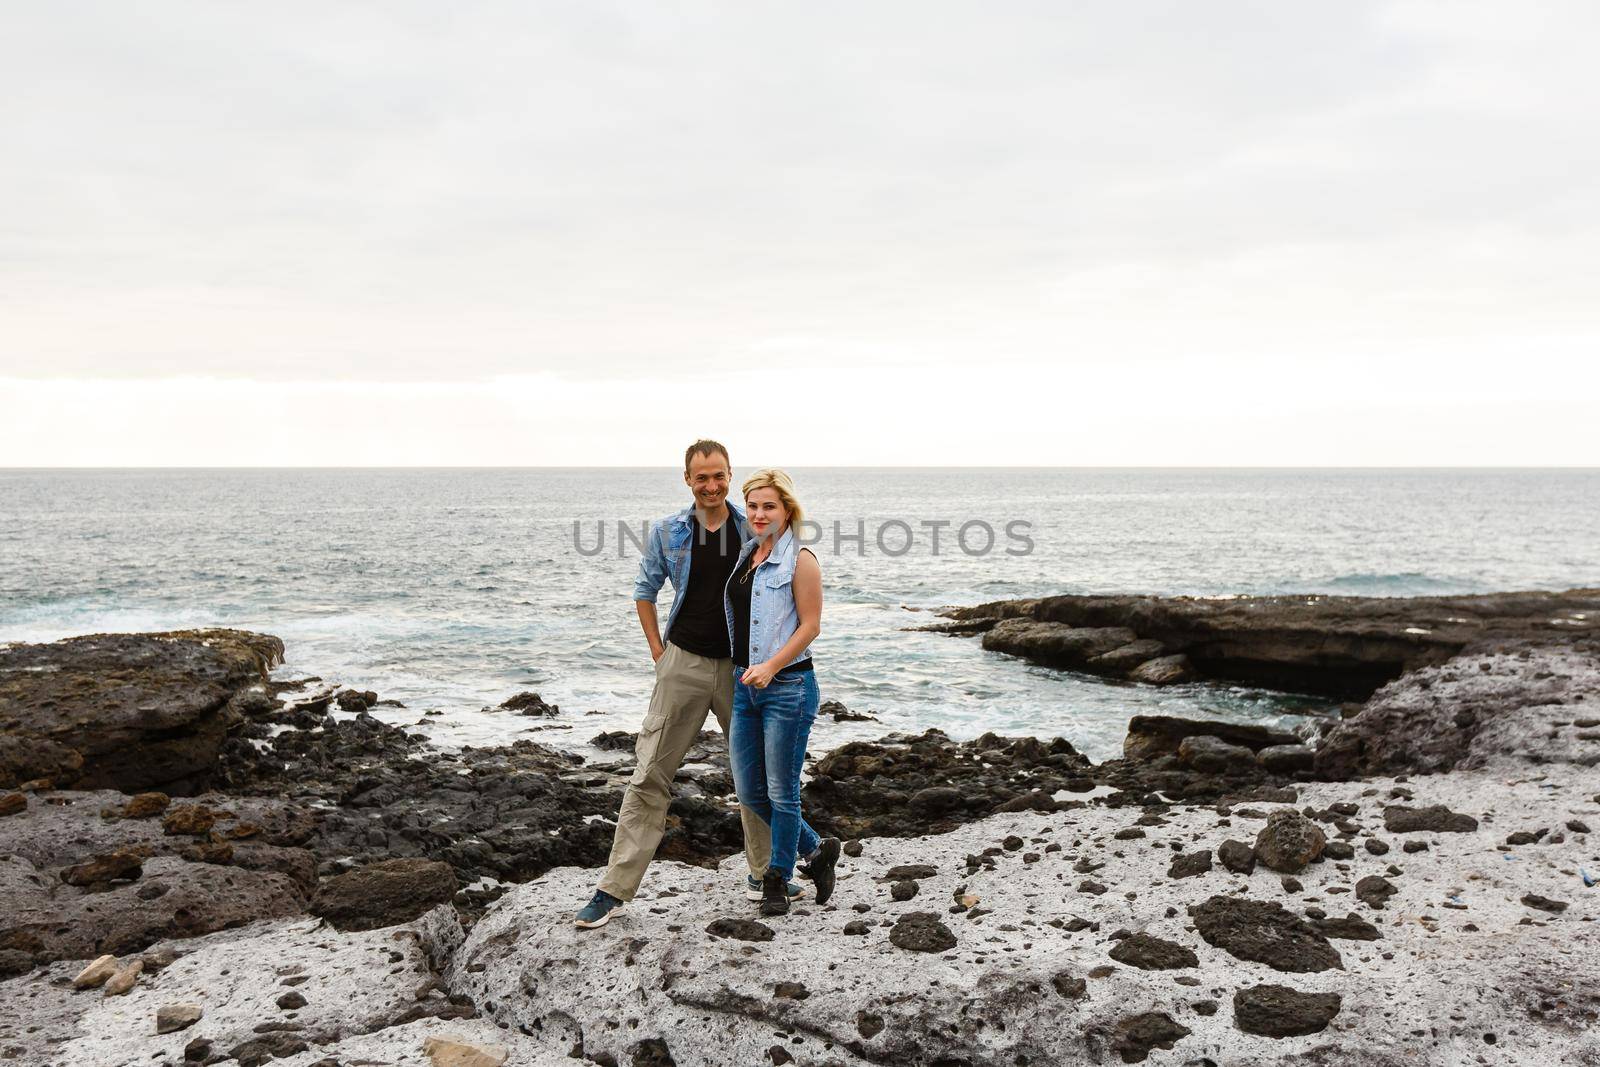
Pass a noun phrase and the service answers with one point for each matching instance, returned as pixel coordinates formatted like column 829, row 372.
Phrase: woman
column 774, row 607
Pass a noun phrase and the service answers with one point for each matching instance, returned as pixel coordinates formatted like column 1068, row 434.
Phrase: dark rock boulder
column 1278, row 1011
column 1374, row 890
column 1435, row 818
column 1289, row 841
column 1264, row 932
column 384, row 894
column 1164, row 670
column 1126, row 657
column 1496, row 703
column 1350, row 928
column 912, row 785
column 1213, row 755
column 921, row 931
column 1287, row 759
column 1150, row 953
column 1053, row 644
column 1237, row 856
column 1190, row 864
column 1136, row 1035
column 530, row 704
column 125, row 711
column 1151, row 736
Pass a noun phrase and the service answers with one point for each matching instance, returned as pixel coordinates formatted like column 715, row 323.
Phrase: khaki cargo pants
column 687, row 686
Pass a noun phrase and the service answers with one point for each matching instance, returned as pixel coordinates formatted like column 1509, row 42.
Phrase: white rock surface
column 1523, row 987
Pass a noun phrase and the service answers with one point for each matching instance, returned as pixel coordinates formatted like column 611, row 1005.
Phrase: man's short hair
column 705, row 447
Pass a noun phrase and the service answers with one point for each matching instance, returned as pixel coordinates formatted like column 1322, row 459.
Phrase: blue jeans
column 767, row 746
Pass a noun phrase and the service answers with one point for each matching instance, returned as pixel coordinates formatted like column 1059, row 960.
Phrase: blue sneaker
column 752, row 889
column 598, row 911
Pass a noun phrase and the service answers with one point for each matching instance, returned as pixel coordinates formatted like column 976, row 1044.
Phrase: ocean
column 452, row 589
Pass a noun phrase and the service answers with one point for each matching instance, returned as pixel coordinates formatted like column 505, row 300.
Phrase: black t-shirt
column 701, row 626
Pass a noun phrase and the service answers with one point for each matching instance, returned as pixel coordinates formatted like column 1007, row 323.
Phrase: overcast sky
column 881, row 233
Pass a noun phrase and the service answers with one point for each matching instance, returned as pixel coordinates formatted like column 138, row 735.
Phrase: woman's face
column 765, row 513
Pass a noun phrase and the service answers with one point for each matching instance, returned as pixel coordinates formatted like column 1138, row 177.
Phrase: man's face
column 708, row 477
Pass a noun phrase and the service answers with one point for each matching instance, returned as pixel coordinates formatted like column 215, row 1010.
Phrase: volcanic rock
column 1278, row 1011
column 1150, row 953
column 1289, row 841
column 1264, row 932
column 125, row 711
column 384, row 894
column 921, row 931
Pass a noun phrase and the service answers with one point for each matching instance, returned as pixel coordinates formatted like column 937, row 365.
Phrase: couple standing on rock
column 747, row 604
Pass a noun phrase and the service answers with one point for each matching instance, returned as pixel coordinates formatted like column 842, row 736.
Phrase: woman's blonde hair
column 775, row 479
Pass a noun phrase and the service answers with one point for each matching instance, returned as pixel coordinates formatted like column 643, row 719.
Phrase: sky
column 1100, row 233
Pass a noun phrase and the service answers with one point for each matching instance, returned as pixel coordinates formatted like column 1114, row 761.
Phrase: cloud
column 594, row 193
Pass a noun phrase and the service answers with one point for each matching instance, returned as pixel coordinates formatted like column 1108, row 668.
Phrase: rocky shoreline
column 318, row 887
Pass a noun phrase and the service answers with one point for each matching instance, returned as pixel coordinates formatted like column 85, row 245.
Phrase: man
column 696, row 549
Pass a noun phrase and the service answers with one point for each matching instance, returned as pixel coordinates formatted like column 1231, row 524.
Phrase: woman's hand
column 759, row 676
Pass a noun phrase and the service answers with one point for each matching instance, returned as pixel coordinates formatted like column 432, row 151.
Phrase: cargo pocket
column 645, row 748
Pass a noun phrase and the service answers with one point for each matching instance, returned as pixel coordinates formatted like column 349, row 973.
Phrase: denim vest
column 667, row 555
column 773, row 618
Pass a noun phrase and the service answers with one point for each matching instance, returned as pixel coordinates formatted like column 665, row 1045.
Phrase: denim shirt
column 667, row 555
column 773, row 617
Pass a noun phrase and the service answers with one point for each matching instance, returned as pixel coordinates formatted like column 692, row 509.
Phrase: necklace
column 748, row 571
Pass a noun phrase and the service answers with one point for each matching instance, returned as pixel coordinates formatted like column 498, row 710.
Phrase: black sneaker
column 774, row 893
column 820, row 868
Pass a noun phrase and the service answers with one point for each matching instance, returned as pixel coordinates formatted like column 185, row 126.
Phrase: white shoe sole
column 580, row 924
column 754, row 895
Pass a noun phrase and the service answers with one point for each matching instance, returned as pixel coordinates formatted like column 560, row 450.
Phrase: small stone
column 173, row 1017
column 1290, row 885
column 1088, row 886
column 144, row 805
column 452, row 1050
column 1237, row 856
column 790, row 991
column 1376, row 846
column 740, row 929
column 1577, row 826
column 1204, row 1007
column 857, row 927
column 904, row 889
column 869, row 1024
column 114, row 867
column 1339, row 850
column 96, row 973
column 1414, row 846
column 921, row 931
column 124, row 979
column 1554, row 907
column 291, row 1001
column 913, row 871
column 193, row 819
column 852, row 849
column 1188, row 865
column 1374, row 890
column 11, row 803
